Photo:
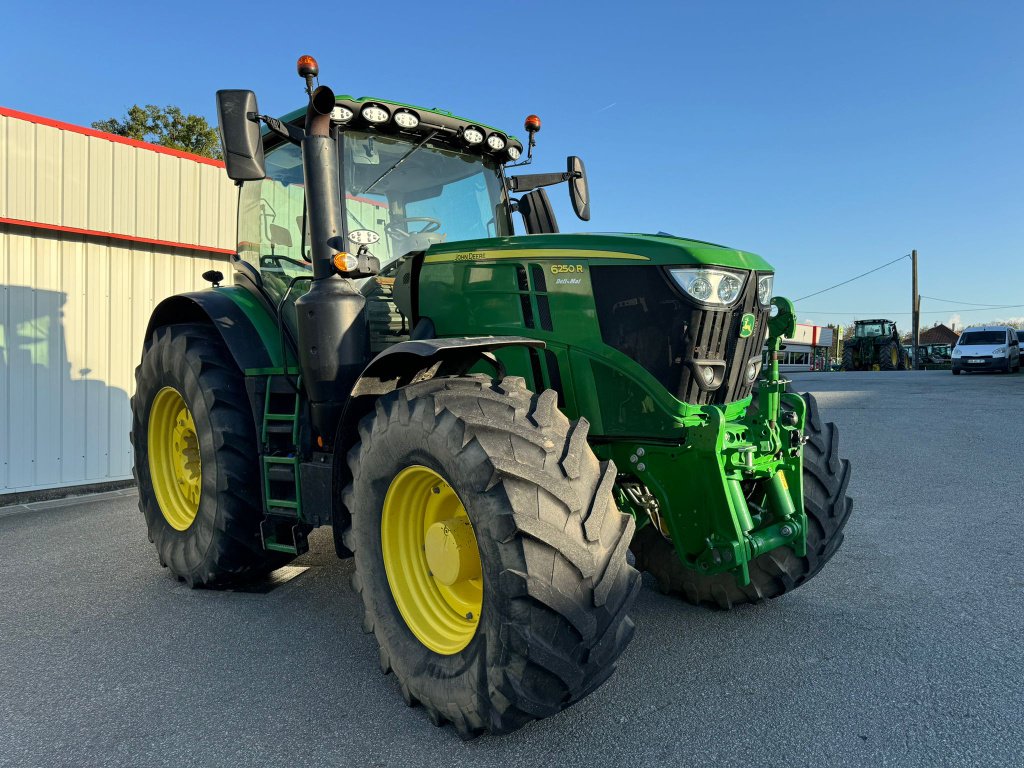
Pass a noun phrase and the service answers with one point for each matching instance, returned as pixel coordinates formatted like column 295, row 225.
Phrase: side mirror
column 538, row 215
column 240, row 135
column 579, row 191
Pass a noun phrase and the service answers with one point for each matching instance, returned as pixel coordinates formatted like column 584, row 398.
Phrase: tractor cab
column 411, row 178
column 873, row 328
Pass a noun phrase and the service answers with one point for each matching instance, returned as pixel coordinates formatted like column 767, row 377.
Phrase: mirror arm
column 533, row 181
column 284, row 130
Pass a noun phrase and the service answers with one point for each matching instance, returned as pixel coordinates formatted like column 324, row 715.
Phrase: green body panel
column 656, row 249
column 266, row 327
column 726, row 481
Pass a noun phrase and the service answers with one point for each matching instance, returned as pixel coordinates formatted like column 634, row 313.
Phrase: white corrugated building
column 95, row 230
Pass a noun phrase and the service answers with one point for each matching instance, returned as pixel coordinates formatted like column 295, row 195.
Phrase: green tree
column 168, row 127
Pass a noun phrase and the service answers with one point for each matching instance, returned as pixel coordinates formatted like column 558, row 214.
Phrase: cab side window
column 270, row 220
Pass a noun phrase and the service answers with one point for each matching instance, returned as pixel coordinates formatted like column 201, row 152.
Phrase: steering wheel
column 432, row 225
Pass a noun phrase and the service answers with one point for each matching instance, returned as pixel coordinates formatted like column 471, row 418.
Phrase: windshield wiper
column 401, row 160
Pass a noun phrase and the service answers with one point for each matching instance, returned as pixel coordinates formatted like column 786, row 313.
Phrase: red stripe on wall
column 114, row 235
column 6, row 112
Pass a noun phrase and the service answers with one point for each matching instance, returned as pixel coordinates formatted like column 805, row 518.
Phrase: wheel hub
column 451, row 550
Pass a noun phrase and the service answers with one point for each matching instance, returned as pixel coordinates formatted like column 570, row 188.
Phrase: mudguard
column 246, row 325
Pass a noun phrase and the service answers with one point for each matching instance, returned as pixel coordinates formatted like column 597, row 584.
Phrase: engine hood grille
column 644, row 315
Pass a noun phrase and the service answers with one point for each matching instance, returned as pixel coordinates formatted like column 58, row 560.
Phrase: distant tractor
column 875, row 346
column 935, row 357
column 483, row 418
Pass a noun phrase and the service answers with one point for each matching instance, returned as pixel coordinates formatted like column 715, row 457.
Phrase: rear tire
column 889, row 356
column 826, row 477
column 847, row 359
column 221, row 543
column 552, row 551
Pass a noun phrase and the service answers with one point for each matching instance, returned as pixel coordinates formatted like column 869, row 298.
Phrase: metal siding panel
column 227, row 201
column 47, row 203
column 75, row 176
column 101, row 165
column 121, row 360
column 209, row 181
column 168, row 197
column 23, row 353
column 96, row 371
column 188, row 204
column 73, row 402
column 123, row 194
column 145, row 192
column 20, row 176
column 141, row 300
column 50, row 378
column 4, row 178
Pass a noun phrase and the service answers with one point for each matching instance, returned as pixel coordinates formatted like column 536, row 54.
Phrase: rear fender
column 247, row 327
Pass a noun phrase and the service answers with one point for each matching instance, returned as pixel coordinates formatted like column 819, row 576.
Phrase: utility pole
column 915, row 307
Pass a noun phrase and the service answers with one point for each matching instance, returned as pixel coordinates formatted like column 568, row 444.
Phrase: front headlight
column 956, row 352
column 764, row 289
column 999, row 352
column 716, row 287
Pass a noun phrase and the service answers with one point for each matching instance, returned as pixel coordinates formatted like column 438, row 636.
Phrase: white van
column 987, row 348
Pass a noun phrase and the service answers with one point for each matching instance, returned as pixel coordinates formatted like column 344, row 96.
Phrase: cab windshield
column 872, row 329
column 402, row 196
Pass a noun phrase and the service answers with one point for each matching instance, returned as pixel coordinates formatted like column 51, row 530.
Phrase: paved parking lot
column 906, row 650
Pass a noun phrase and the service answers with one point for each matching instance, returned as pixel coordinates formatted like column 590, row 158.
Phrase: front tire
column 503, row 472
column 826, row 477
column 196, row 459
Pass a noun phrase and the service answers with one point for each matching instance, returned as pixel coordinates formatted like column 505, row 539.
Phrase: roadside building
column 939, row 334
column 95, row 229
column 808, row 349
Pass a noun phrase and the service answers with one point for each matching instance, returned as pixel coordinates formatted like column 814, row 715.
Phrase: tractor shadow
column 62, row 425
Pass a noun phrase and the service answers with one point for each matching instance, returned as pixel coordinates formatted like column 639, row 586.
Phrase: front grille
column 644, row 315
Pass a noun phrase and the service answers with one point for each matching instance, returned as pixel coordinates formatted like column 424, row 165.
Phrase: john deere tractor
column 875, row 346
column 487, row 421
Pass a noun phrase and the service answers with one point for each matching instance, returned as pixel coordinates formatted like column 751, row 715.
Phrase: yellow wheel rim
column 895, row 358
column 432, row 560
column 175, row 466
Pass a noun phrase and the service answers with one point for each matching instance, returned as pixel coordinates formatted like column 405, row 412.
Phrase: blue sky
column 827, row 137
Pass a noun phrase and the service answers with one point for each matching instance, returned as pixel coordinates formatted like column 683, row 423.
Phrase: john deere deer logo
column 746, row 325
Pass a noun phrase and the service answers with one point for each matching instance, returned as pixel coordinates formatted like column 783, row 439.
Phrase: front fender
column 396, row 366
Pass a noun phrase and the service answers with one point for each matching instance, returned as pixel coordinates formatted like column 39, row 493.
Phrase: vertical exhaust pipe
column 333, row 337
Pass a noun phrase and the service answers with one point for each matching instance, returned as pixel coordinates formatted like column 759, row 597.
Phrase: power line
column 928, row 312
column 969, row 303
column 858, row 277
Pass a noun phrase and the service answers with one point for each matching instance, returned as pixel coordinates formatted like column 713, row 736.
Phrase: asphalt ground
column 905, row 650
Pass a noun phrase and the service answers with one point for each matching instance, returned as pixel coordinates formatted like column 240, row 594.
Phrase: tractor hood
column 658, row 249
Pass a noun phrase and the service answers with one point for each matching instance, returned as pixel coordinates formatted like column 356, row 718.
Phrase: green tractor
column 875, row 346
column 489, row 422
